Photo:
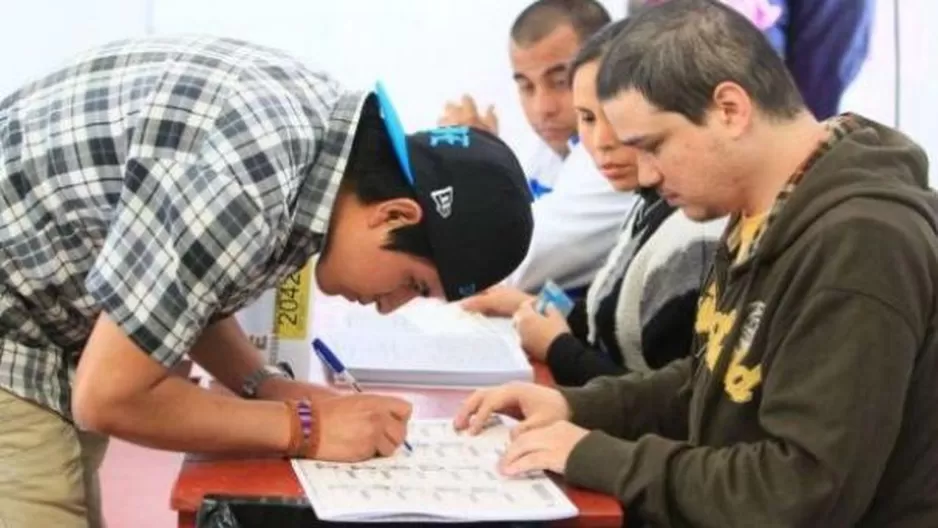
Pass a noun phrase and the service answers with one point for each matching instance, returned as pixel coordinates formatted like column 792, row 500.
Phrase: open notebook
column 449, row 477
column 427, row 343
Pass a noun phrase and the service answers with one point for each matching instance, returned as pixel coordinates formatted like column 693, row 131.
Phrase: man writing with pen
column 157, row 186
column 327, row 356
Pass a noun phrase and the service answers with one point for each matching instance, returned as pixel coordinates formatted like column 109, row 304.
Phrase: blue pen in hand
column 340, row 372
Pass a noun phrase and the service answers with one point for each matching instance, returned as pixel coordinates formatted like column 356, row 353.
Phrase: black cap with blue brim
column 475, row 199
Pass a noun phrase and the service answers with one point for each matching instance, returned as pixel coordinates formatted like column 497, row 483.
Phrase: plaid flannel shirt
column 165, row 181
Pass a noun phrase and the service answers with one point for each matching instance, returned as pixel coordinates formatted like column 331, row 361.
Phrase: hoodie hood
column 871, row 161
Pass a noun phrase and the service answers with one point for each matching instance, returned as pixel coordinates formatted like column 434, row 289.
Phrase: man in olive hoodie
column 811, row 398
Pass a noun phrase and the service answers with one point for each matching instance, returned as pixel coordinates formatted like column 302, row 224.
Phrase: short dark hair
column 374, row 174
column 676, row 53
column 596, row 46
column 544, row 16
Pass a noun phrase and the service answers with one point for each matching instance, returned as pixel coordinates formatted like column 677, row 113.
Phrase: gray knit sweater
column 640, row 309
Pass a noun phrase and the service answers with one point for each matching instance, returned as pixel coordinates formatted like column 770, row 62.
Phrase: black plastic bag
column 238, row 512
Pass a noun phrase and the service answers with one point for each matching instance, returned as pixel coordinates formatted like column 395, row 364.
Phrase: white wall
column 874, row 93
column 427, row 51
column 39, row 34
column 918, row 114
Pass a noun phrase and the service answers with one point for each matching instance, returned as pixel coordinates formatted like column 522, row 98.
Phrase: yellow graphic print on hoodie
column 739, row 380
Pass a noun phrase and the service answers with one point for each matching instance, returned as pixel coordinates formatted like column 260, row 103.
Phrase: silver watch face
column 249, row 389
column 273, row 370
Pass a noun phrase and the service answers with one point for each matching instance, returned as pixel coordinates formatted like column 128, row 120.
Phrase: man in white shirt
column 574, row 204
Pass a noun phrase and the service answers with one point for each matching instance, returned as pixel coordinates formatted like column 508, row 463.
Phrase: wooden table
column 273, row 477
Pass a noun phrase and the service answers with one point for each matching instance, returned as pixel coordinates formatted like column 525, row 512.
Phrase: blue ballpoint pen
column 339, row 371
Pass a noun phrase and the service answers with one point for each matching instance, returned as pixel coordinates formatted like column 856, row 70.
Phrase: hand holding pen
column 381, row 403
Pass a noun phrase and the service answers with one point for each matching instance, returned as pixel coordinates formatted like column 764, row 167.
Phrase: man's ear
column 732, row 109
column 394, row 213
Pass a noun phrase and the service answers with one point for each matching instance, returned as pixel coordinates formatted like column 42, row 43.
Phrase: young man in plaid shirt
column 154, row 187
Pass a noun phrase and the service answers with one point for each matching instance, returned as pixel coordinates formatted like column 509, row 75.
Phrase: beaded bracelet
column 304, row 429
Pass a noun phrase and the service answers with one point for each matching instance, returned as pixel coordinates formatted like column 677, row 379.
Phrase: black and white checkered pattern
column 166, row 181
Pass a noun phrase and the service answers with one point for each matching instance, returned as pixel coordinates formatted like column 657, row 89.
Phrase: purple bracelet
column 305, row 412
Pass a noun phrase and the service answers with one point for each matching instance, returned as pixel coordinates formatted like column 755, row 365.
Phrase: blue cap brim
column 396, row 132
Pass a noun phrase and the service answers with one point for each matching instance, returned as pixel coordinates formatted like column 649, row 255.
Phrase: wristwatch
column 254, row 380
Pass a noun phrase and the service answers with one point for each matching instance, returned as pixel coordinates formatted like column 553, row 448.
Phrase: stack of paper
column 427, row 343
column 449, row 477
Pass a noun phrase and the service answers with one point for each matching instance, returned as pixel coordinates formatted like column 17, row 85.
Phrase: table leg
column 186, row 520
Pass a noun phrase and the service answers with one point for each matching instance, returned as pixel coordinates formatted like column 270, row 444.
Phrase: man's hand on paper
column 539, row 331
column 543, row 448
column 536, row 406
column 360, row 426
column 497, row 301
column 283, row 389
column 465, row 113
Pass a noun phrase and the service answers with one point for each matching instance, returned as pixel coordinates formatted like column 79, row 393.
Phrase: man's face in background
column 540, row 73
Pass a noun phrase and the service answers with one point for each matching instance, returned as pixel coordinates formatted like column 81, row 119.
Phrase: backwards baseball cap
column 475, row 200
